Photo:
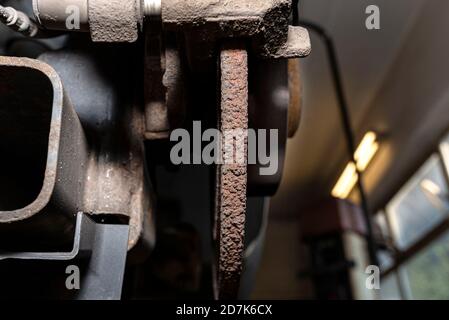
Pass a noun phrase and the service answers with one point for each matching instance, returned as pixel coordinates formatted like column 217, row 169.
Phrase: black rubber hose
column 347, row 126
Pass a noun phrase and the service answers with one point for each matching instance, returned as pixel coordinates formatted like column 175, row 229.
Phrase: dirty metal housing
column 63, row 160
column 46, row 153
column 265, row 23
column 116, row 183
column 203, row 22
column 107, row 20
column 53, row 14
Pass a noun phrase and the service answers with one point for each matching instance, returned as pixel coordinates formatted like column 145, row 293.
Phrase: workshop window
column 390, row 287
column 428, row 271
column 444, row 149
column 385, row 256
column 414, row 227
column 420, row 205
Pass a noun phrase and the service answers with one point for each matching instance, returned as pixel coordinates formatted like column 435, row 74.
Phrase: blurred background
column 396, row 81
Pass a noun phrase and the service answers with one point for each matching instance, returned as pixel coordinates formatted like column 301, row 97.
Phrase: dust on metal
column 232, row 178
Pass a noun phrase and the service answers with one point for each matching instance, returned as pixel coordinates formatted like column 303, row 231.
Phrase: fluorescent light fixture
column 363, row 156
column 366, row 151
column 346, row 183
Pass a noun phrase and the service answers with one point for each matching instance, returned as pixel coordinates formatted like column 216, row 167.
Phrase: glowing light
column 365, row 152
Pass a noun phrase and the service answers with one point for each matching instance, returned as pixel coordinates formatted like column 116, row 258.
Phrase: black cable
column 348, row 131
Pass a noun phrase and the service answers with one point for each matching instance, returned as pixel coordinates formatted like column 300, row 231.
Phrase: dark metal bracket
column 103, row 245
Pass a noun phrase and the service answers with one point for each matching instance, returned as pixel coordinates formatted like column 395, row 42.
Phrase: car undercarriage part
column 203, row 22
column 18, row 21
column 102, row 245
column 82, row 121
column 231, row 178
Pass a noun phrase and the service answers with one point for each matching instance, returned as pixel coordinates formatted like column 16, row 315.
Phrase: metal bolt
column 18, row 21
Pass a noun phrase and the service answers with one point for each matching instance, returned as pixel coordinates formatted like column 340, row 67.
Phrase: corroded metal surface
column 164, row 84
column 295, row 104
column 63, row 159
column 115, row 174
column 264, row 23
column 107, row 20
column 39, row 126
column 297, row 45
column 232, row 177
column 114, row 20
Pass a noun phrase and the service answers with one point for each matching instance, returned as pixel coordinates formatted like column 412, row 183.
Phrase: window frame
column 401, row 257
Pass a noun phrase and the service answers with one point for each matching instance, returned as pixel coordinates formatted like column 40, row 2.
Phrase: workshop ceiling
column 317, row 154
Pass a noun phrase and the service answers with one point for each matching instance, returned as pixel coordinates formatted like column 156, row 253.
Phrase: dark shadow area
column 25, row 114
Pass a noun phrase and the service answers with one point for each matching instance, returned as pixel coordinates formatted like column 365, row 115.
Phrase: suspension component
column 18, row 21
column 266, row 23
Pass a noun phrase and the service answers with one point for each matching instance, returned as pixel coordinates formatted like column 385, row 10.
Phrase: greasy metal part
column 264, row 23
column 295, row 89
column 61, row 14
column 231, row 177
column 164, row 76
column 104, row 245
column 157, row 124
column 174, row 82
column 116, row 182
column 45, row 157
column 164, row 86
column 57, row 164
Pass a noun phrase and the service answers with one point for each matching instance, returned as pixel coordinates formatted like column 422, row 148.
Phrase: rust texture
column 232, row 177
column 64, row 170
column 54, row 164
column 295, row 104
column 43, row 128
column 114, row 20
column 164, row 86
column 266, row 25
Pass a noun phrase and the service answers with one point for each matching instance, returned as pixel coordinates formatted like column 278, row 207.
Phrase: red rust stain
column 232, row 178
